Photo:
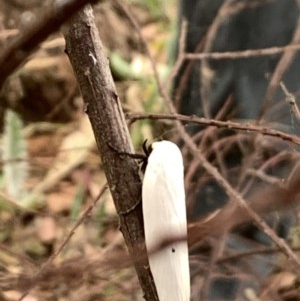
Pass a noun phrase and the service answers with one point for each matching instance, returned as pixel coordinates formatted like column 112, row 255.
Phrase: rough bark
column 91, row 67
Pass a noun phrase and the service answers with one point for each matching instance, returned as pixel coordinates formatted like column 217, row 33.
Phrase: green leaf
column 14, row 156
column 77, row 203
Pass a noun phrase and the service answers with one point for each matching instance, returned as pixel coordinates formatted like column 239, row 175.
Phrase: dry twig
column 247, row 127
column 244, row 54
column 281, row 68
column 290, row 99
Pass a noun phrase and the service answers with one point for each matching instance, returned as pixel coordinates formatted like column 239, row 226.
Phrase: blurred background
column 51, row 171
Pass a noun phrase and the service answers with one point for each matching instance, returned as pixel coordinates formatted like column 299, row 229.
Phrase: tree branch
column 15, row 53
column 91, row 68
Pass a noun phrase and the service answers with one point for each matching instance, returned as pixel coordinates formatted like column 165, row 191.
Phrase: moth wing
column 164, row 213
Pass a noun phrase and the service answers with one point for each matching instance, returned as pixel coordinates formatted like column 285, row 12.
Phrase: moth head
column 147, row 151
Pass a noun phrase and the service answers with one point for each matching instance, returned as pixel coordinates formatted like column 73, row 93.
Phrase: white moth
column 164, row 212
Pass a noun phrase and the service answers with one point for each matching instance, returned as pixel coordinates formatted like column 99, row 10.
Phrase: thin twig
column 277, row 75
column 247, row 127
column 86, row 213
column 207, row 73
column 181, row 54
column 262, row 250
column 290, row 99
column 244, row 54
